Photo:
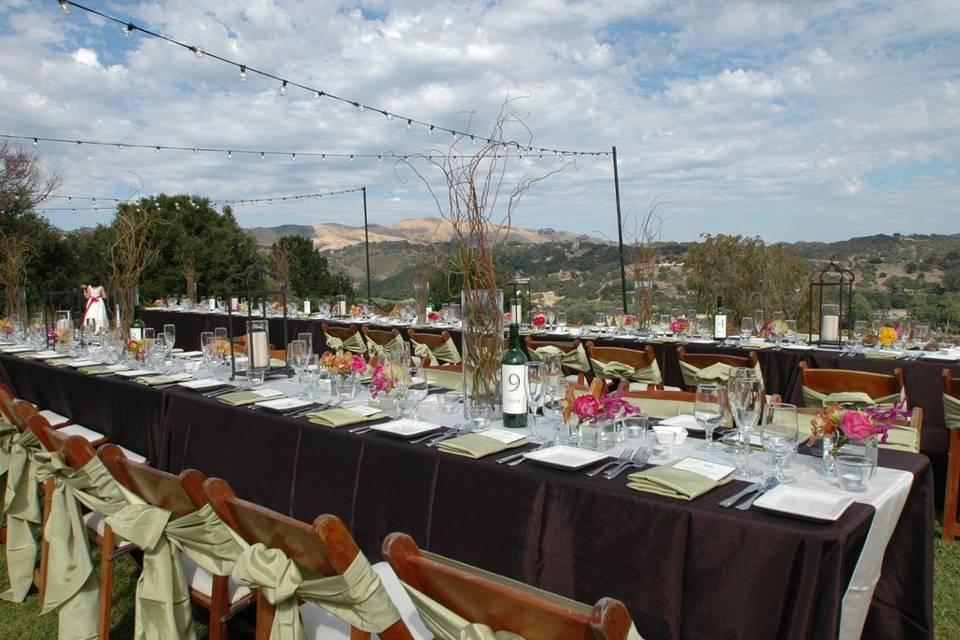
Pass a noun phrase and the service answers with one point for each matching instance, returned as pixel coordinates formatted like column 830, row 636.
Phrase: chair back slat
column 951, row 385
column 381, row 336
column 75, row 450
column 704, row 360
column 258, row 524
column 156, row 487
column 503, row 606
column 875, row 385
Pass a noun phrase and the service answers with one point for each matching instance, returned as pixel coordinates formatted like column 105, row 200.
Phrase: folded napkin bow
column 667, row 481
column 342, row 417
column 477, row 445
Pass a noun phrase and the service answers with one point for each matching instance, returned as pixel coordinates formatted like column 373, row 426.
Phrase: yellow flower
column 887, row 336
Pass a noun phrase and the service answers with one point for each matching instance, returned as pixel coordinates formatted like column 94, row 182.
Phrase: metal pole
column 366, row 245
column 623, row 268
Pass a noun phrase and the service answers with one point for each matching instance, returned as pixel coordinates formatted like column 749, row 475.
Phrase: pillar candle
column 830, row 328
column 259, row 350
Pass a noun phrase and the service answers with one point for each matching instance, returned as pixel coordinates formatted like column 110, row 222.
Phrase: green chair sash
column 575, row 359
column 614, row 370
column 848, row 399
column 380, row 350
column 72, row 587
column 951, row 411
column 354, row 343
column 163, row 607
column 446, row 353
column 357, row 596
column 21, row 506
column 717, row 372
column 659, row 408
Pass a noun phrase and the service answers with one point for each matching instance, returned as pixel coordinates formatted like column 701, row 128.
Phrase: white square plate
column 82, row 363
column 804, row 503
column 283, row 405
column 797, row 347
column 406, row 428
column 204, row 384
column 137, row 373
column 48, row 355
column 564, row 457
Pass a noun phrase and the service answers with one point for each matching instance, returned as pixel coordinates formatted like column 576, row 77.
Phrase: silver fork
column 463, row 428
column 625, row 455
column 522, row 456
column 639, row 459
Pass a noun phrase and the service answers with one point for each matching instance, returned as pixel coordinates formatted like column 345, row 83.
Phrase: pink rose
column 539, row 320
column 358, row 365
column 856, row 426
column 586, row 407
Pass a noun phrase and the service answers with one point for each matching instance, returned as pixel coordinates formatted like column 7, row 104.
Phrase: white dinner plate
column 406, row 428
column 283, row 405
column 204, row 384
column 48, row 355
column 804, row 503
column 564, row 457
column 79, row 364
column 137, row 373
column 941, row 357
column 684, row 421
column 797, row 347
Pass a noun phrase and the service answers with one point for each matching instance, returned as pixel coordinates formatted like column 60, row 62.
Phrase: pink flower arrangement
column 380, row 383
column 539, row 320
column 679, row 325
column 52, row 335
column 851, row 424
column 433, row 316
column 609, row 407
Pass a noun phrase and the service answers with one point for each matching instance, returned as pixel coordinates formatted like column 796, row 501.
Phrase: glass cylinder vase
column 258, row 345
column 482, row 349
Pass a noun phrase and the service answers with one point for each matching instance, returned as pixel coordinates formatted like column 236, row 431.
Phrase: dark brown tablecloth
column 683, row 569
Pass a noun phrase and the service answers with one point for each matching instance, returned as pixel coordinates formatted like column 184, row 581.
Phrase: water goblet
column 779, row 434
column 709, row 405
column 418, row 388
column 746, row 328
column 535, row 386
column 745, row 392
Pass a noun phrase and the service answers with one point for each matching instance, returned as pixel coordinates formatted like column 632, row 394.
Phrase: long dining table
column 684, row 569
column 781, row 370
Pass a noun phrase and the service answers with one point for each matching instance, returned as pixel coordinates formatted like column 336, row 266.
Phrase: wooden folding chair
column 344, row 333
column 181, row 495
column 326, row 548
column 432, row 340
column 24, row 410
column 481, row 597
column 704, row 360
column 566, row 347
column 875, row 385
column 951, row 527
column 638, row 359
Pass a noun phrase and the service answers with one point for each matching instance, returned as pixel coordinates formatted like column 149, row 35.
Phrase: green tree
column 308, row 269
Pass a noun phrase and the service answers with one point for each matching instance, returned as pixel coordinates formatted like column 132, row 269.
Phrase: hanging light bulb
column 64, row 6
column 358, row 106
column 120, row 147
column 430, row 130
column 262, row 155
column 197, row 51
column 323, row 157
column 409, row 125
column 128, row 29
column 293, row 157
column 317, row 95
column 283, row 88
column 158, row 149
column 229, row 155
column 195, row 150
column 388, row 116
column 35, row 142
column 351, row 157
column 243, row 73
column 379, row 158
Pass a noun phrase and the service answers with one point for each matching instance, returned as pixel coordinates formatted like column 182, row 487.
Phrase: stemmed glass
column 418, row 388
column 535, row 383
column 171, row 332
column 745, row 393
column 708, row 408
column 921, row 335
column 220, row 333
column 758, row 321
column 746, row 328
column 311, row 373
column 296, row 354
column 780, row 433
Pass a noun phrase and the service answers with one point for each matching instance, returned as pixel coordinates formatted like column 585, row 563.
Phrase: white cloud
column 750, row 117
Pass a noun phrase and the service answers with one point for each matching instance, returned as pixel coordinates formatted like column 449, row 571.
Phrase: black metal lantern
column 520, row 300
column 243, row 282
column 831, row 299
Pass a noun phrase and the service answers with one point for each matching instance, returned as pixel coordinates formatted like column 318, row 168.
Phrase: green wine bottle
column 513, row 373
column 137, row 326
column 720, row 321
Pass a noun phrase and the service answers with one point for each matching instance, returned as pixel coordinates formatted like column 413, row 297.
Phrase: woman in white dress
column 96, row 308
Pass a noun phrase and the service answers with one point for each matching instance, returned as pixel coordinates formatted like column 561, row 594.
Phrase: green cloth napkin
column 342, row 417
column 242, row 398
column 882, row 355
column 475, row 445
column 673, row 483
column 452, row 380
column 755, row 345
column 100, row 370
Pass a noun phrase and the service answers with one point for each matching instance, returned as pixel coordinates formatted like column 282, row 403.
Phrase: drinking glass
column 922, row 334
column 553, row 397
column 877, row 322
column 535, row 387
column 171, row 331
column 708, row 408
column 150, row 333
column 418, row 388
column 664, row 439
column 220, row 333
column 780, row 433
column 745, row 391
column 296, row 354
column 859, row 333
column 758, row 320
column 561, row 319
column 206, row 338
column 306, row 337
column 600, row 320
column 791, row 335
column 746, row 327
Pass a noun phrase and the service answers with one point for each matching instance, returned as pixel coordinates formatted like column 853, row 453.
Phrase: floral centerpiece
column 679, row 325
column 596, row 417
column 6, row 327
column 841, row 427
column 539, row 320
column 343, row 363
column 382, row 382
column 774, row 328
column 137, row 349
column 220, row 348
column 888, row 335
column 52, row 336
column 433, row 316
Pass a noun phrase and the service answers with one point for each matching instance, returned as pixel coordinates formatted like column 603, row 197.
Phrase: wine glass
column 877, row 322
column 171, row 332
column 780, row 433
column 562, row 319
column 746, row 328
column 708, row 409
column 150, row 333
column 307, row 337
column 745, row 391
column 535, row 383
column 206, row 337
column 758, row 320
column 418, row 388
column 296, row 353
column 921, row 334
column 311, row 374
column 600, row 320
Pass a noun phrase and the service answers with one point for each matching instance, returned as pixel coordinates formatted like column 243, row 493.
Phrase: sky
column 787, row 120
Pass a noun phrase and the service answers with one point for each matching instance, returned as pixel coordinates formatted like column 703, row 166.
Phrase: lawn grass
column 23, row 622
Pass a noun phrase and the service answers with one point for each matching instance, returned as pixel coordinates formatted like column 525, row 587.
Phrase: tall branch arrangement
column 479, row 204
column 131, row 253
column 643, row 241
column 15, row 253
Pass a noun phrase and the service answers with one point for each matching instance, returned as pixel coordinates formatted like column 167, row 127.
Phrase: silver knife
column 768, row 484
column 732, row 500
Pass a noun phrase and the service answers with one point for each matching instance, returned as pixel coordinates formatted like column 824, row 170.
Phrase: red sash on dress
column 90, row 302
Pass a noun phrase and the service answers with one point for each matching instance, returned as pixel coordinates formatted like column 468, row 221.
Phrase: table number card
column 711, row 470
column 502, row 435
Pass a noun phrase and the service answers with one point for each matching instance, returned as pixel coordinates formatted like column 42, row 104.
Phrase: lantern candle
column 830, row 323
column 342, row 305
column 258, row 347
column 63, row 320
column 306, row 307
column 516, row 311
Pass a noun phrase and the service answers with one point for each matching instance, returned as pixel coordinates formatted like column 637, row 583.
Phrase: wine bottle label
column 514, row 391
column 720, row 326
column 136, row 333
column 306, row 307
